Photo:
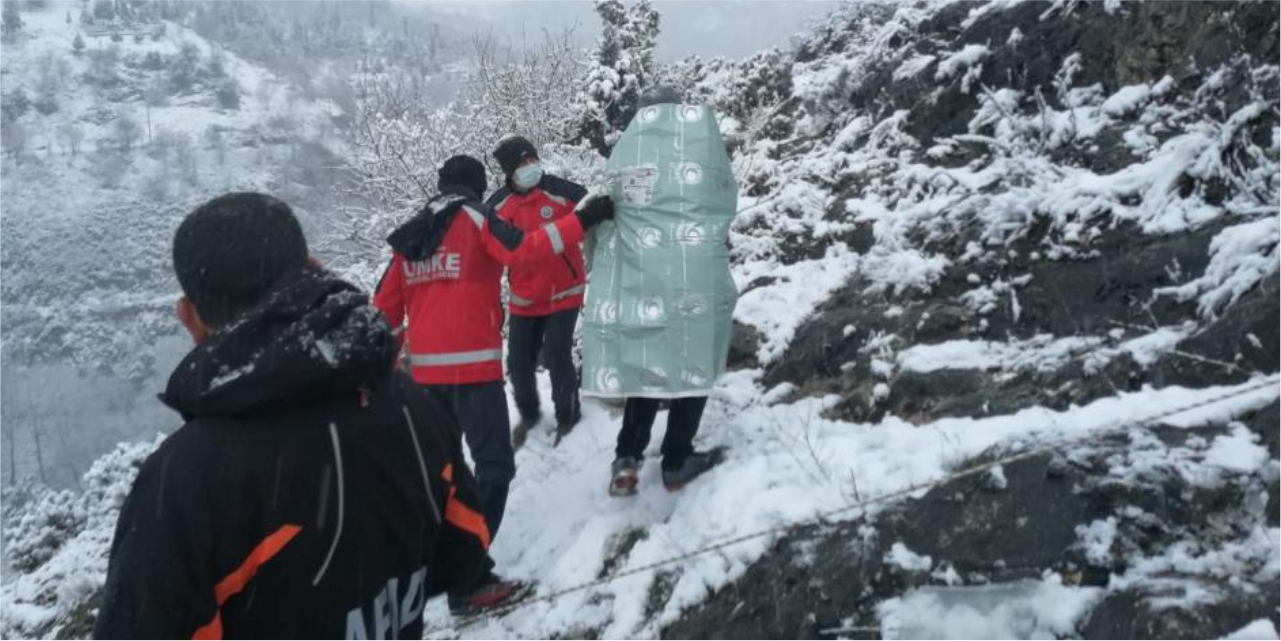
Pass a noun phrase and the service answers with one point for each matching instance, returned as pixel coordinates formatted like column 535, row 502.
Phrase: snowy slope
column 87, row 295
column 786, row 465
column 909, row 205
column 87, row 231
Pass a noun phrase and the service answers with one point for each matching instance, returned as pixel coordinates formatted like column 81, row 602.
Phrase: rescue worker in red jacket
column 445, row 275
column 546, row 292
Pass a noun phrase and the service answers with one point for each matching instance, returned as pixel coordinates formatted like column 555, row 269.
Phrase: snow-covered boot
column 625, row 476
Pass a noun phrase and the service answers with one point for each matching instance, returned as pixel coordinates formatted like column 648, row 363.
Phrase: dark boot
column 520, row 432
column 565, row 427
column 694, row 465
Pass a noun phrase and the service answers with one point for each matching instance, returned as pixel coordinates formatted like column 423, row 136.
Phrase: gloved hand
column 593, row 210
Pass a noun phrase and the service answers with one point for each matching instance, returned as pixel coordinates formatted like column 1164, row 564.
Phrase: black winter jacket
column 314, row 491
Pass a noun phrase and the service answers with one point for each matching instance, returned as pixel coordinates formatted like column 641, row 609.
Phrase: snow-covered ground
column 786, row 464
column 45, row 36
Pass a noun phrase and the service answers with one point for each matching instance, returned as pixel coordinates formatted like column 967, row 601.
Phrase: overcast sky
column 731, row 28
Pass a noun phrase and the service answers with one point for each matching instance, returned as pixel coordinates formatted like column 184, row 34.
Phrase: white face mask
column 528, row 177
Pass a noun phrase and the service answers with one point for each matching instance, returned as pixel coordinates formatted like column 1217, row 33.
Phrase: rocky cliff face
column 1026, row 204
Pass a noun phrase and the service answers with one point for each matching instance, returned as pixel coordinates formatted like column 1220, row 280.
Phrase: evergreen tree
column 78, row 44
column 621, row 66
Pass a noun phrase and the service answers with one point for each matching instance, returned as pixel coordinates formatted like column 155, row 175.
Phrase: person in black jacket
column 314, row 491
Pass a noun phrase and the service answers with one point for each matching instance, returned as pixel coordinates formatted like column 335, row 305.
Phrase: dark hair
column 230, row 251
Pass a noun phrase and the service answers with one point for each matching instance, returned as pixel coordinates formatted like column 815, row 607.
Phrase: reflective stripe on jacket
column 449, row 293
column 553, row 283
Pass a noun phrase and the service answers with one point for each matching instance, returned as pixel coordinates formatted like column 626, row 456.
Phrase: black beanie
column 465, row 171
column 511, row 151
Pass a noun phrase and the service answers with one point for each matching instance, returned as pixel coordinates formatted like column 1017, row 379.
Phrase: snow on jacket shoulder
column 314, row 493
column 551, row 284
column 444, row 281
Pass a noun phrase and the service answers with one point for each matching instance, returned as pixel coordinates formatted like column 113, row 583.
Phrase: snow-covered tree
column 71, row 136
column 53, row 69
column 13, row 136
column 126, row 132
column 10, row 20
column 104, row 10
column 77, row 44
column 622, row 65
column 399, row 139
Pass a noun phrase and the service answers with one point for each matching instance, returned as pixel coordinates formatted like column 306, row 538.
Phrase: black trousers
column 554, row 335
column 683, row 418
column 480, row 409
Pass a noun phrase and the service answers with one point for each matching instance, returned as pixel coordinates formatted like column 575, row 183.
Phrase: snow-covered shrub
column 66, row 541
column 1240, row 257
column 48, row 519
column 747, row 94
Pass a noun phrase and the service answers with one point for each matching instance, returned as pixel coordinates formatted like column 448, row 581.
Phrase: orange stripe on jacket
column 466, row 519
column 233, row 583
column 211, row 630
column 461, row 516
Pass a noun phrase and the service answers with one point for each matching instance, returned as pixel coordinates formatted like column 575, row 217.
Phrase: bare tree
column 37, row 433
column 156, row 95
column 399, row 139
column 71, row 136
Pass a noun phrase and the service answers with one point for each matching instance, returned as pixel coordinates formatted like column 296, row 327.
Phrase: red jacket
column 546, row 284
column 445, row 275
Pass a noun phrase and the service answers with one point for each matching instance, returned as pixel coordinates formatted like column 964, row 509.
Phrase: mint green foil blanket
column 657, row 318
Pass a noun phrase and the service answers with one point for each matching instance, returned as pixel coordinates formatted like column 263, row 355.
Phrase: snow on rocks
column 903, row 558
column 1041, row 353
column 953, row 63
column 1127, row 100
column 785, row 464
column 1240, row 257
column 1019, row 610
column 777, row 310
column 1260, row 629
